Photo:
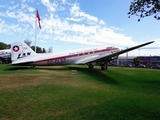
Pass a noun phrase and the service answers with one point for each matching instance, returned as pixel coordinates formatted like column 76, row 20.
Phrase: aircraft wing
column 109, row 56
column 87, row 59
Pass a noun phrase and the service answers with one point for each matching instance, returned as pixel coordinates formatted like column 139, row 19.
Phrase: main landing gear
column 33, row 66
column 103, row 65
column 91, row 65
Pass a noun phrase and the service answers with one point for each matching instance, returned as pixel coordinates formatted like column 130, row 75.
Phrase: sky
column 70, row 24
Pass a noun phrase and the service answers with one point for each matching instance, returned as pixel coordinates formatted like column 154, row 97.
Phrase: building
column 148, row 61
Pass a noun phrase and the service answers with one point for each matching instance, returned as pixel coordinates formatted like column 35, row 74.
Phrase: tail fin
column 20, row 50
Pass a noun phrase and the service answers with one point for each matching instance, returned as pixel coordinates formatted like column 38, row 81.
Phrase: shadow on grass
column 95, row 74
column 54, row 68
column 13, row 68
column 91, row 74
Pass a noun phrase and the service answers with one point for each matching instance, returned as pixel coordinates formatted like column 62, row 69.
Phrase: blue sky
column 69, row 24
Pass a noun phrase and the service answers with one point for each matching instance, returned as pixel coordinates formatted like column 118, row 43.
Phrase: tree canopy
column 28, row 42
column 4, row 46
column 50, row 50
column 144, row 8
column 136, row 62
column 38, row 49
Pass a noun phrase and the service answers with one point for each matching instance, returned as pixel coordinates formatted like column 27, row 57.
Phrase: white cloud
column 81, row 33
column 75, row 26
column 12, row 28
column 13, row 7
column 24, row 1
column 50, row 6
column 31, row 9
column 21, row 16
column 26, row 8
column 102, row 22
column 2, row 6
column 64, row 1
column 77, row 13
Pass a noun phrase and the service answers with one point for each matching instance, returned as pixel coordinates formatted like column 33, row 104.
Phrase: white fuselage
column 80, row 56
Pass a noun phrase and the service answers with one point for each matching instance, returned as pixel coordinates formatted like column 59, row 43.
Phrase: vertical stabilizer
column 20, row 50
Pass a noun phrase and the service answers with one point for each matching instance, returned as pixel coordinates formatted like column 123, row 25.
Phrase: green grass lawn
column 76, row 93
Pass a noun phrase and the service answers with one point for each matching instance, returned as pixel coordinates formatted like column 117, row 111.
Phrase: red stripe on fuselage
column 78, row 54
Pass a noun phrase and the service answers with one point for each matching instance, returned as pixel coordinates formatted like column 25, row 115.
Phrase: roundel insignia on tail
column 15, row 48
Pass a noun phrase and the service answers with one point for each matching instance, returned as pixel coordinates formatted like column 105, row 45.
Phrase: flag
column 38, row 17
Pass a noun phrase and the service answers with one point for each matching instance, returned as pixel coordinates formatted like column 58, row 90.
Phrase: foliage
column 28, row 42
column 43, row 51
column 4, row 46
column 38, row 49
column 144, row 8
column 50, row 50
column 136, row 62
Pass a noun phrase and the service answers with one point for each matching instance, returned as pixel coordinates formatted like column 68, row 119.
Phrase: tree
column 38, row 49
column 43, row 51
column 136, row 62
column 50, row 50
column 28, row 42
column 144, row 8
column 4, row 46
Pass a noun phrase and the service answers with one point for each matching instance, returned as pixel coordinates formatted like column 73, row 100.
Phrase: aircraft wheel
column 104, row 66
column 33, row 66
column 91, row 66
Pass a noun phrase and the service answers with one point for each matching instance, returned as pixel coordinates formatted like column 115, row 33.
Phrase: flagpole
column 35, row 30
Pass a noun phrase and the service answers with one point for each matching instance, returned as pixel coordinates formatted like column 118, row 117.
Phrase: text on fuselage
column 57, row 61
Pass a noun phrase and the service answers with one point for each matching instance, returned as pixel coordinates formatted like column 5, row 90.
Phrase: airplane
column 23, row 55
